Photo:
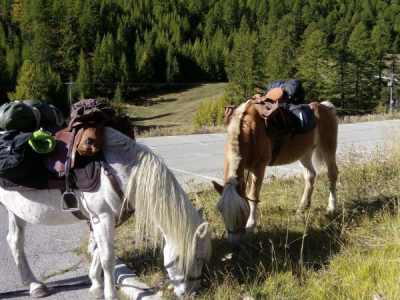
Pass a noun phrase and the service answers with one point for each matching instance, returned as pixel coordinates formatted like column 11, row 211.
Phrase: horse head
column 234, row 210
column 187, row 280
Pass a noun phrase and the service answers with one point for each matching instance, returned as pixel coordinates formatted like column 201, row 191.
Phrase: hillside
column 172, row 107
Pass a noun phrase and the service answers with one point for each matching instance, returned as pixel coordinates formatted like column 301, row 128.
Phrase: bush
column 206, row 114
column 211, row 113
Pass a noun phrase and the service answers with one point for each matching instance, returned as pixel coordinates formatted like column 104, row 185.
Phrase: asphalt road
column 198, row 159
column 54, row 252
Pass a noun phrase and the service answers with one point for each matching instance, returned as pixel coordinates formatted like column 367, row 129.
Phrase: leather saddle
column 84, row 170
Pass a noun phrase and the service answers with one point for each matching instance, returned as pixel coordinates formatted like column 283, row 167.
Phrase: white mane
column 158, row 199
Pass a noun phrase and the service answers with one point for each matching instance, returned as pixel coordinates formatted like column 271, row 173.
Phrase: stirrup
column 69, row 202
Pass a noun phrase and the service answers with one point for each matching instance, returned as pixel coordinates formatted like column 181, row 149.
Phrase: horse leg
column 332, row 176
column 104, row 232
column 97, row 288
column 257, row 176
column 309, row 178
column 16, row 241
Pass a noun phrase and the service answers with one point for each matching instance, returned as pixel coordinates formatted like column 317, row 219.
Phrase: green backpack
column 29, row 115
column 19, row 116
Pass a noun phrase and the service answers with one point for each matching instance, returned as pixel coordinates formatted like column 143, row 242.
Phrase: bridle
column 167, row 280
column 184, row 279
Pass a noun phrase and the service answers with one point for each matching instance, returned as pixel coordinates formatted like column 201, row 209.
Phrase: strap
column 275, row 151
column 113, row 181
column 128, row 211
column 254, row 201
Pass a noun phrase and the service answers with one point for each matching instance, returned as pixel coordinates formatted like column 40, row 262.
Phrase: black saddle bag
column 17, row 158
column 302, row 117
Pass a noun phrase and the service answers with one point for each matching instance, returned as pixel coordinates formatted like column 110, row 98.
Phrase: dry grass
column 165, row 112
column 353, row 254
column 171, row 112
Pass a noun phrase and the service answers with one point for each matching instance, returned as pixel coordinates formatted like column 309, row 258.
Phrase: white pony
column 150, row 188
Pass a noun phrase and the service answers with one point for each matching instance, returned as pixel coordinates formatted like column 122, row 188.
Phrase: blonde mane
column 231, row 204
column 158, row 199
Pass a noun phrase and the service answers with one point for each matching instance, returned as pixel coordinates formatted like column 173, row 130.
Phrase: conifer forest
column 345, row 51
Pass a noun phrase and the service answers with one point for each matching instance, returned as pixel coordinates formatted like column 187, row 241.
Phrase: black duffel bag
column 17, row 158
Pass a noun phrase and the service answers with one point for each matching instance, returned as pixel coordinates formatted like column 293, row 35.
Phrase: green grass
column 171, row 110
column 354, row 254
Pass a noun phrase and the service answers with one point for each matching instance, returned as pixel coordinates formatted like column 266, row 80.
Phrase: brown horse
column 248, row 148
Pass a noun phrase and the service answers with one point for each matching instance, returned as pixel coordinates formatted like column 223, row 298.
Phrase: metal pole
column 391, row 93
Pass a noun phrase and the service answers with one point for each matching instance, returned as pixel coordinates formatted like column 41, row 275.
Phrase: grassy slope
column 354, row 254
column 171, row 109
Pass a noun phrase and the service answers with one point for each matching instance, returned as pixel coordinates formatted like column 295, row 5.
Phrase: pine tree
column 109, row 68
column 97, row 60
column 361, row 67
column 243, row 67
column 341, row 61
column 124, row 71
column 3, row 70
column 89, row 23
column 84, row 82
column 380, row 37
column 36, row 81
column 312, row 65
column 280, row 62
column 172, row 65
column 118, row 101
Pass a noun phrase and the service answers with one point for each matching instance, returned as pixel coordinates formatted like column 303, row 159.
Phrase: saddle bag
column 302, row 117
column 278, row 123
column 17, row 158
column 90, row 139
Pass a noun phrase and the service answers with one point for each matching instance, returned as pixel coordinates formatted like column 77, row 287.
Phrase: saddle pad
column 42, row 180
column 55, row 160
column 85, row 176
column 86, row 172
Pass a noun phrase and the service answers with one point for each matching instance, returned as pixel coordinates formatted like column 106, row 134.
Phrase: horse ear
column 219, row 188
column 200, row 212
column 201, row 231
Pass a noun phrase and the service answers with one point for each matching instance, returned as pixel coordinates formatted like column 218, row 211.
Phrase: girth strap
column 128, row 211
column 275, row 151
column 113, row 181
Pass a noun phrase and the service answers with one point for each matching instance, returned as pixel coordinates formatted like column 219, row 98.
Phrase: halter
column 184, row 279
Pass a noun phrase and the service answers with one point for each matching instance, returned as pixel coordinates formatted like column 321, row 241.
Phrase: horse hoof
column 97, row 293
column 39, row 290
column 300, row 211
column 330, row 210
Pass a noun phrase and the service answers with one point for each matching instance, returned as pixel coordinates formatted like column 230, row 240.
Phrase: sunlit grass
column 353, row 254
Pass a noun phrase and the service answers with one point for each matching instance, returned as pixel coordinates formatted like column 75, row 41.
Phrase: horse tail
column 327, row 134
column 330, row 106
column 317, row 159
